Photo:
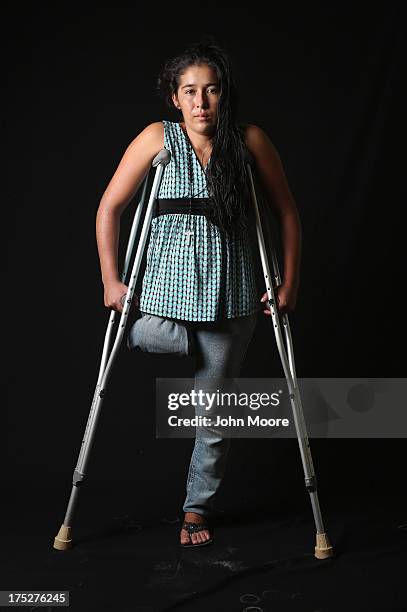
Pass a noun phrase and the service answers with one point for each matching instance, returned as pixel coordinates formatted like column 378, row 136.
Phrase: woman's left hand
column 286, row 298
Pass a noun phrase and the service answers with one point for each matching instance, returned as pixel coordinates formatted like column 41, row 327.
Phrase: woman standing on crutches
column 200, row 267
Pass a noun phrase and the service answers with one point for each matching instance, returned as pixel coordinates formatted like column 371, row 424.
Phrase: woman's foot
column 199, row 536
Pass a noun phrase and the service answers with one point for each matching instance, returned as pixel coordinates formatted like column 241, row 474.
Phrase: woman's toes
column 200, row 536
column 184, row 536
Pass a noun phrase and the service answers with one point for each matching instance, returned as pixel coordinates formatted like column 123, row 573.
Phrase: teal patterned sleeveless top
column 207, row 278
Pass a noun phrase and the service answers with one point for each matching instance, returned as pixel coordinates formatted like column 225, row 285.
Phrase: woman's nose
column 201, row 101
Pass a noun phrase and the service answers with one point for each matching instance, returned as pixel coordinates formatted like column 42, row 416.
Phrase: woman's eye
column 212, row 90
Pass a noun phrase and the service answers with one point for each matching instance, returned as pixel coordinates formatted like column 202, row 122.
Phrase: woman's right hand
column 114, row 292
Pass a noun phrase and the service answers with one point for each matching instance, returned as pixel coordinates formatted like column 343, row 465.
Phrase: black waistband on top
column 165, row 206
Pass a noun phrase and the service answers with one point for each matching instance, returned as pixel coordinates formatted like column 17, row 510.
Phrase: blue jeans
column 221, row 347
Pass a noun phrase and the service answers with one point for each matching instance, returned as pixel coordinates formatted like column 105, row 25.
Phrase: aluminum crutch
column 323, row 548
column 63, row 540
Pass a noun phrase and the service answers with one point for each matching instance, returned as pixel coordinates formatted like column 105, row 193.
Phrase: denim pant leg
column 221, row 348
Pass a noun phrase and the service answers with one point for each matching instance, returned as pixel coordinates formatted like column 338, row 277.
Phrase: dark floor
column 127, row 559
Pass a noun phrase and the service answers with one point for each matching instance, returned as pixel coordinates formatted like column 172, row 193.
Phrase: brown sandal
column 193, row 528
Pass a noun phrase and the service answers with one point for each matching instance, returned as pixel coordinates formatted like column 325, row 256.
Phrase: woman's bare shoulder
column 256, row 137
column 156, row 126
column 259, row 143
column 152, row 137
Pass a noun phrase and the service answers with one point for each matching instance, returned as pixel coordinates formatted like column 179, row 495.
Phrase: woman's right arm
column 121, row 189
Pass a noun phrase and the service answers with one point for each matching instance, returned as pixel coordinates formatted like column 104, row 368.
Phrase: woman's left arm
column 273, row 179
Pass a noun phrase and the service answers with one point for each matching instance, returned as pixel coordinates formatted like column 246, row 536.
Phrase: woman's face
column 198, row 96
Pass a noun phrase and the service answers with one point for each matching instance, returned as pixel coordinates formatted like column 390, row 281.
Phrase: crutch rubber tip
column 63, row 541
column 323, row 549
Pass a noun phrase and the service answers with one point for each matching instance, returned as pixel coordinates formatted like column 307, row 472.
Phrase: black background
column 325, row 83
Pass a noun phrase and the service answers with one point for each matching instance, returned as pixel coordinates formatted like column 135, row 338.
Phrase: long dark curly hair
column 226, row 173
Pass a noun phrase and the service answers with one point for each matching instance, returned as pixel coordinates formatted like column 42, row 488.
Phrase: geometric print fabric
column 211, row 277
